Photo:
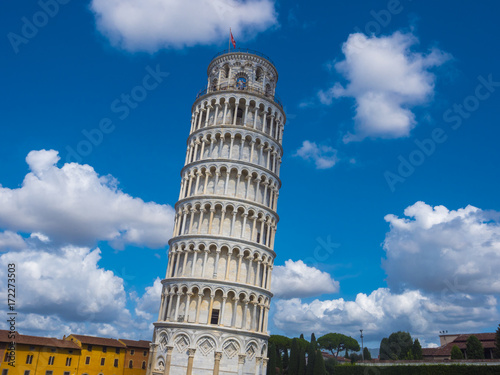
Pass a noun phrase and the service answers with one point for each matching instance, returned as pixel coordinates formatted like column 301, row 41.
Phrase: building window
column 53, row 350
column 215, row 317
column 89, row 348
column 5, row 371
column 70, row 351
column 130, row 364
column 102, row 361
column 68, row 361
column 51, row 360
column 145, row 353
column 87, row 360
column 104, row 349
column 117, row 350
column 66, row 373
column 32, row 348
column 143, row 365
column 132, row 351
column 48, row 372
column 116, row 363
column 29, row 359
column 26, row 372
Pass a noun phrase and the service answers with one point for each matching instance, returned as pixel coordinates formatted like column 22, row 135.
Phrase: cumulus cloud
column 67, row 283
column 383, row 312
column 324, row 157
column 150, row 25
column 11, row 241
column 386, row 78
column 296, row 279
column 64, row 290
column 74, row 205
column 447, row 251
column 148, row 305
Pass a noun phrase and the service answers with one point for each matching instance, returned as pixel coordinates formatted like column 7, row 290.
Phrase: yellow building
column 99, row 356
column 136, row 357
column 34, row 355
column 73, row 355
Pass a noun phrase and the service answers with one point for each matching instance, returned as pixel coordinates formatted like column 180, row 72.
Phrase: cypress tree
column 497, row 343
column 271, row 365
column 366, row 354
column 279, row 363
column 293, row 366
column 456, row 353
column 416, row 350
column 286, row 360
column 311, row 354
column 302, row 362
column 319, row 364
column 474, row 349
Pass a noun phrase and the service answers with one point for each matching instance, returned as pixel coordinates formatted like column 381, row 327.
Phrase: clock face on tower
column 241, row 83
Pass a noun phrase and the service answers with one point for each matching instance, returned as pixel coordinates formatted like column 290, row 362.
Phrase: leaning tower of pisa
column 216, row 293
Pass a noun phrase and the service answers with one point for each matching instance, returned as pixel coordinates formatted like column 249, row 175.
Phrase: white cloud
column 383, row 312
column 297, row 280
column 150, row 25
column 11, row 241
column 74, row 205
column 66, row 283
column 64, row 290
column 439, row 250
column 148, row 305
column 386, row 78
column 324, row 157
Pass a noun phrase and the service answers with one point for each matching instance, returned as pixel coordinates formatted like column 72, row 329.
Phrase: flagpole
column 229, row 44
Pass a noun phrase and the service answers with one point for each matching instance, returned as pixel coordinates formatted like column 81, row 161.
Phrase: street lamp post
column 362, row 349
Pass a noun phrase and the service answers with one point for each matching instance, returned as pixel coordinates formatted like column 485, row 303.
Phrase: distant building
column 38, row 355
column 73, row 355
column 449, row 341
column 136, row 357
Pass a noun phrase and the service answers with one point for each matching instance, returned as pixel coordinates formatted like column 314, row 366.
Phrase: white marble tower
column 216, row 293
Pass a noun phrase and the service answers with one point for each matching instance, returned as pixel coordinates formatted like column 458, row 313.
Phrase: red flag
column 232, row 39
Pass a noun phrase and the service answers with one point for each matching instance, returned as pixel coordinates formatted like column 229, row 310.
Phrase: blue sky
column 392, row 109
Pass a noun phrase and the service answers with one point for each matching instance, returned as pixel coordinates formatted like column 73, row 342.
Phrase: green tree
column 286, row 360
column 385, row 352
column 354, row 357
column 456, row 353
column 279, row 363
column 293, row 366
column 330, row 364
column 417, row 350
column 301, row 336
column 397, row 346
column 302, row 362
column 319, row 363
column 337, row 342
column 474, row 348
column 271, row 365
column 311, row 353
column 366, row 354
column 497, row 343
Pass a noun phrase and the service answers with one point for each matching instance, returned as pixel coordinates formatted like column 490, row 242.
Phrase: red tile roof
column 37, row 341
column 143, row 344
column 487, row 339
column 101, row 341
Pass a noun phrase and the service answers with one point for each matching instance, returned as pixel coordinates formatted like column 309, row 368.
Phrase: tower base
column 182, row 349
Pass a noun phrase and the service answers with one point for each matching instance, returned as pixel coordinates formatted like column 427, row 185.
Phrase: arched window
column 268, row 89
column 259, row 73
column 130, row 364
column 225, row 69
column 143, row 365
column 241, row 83
column 213, row 86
